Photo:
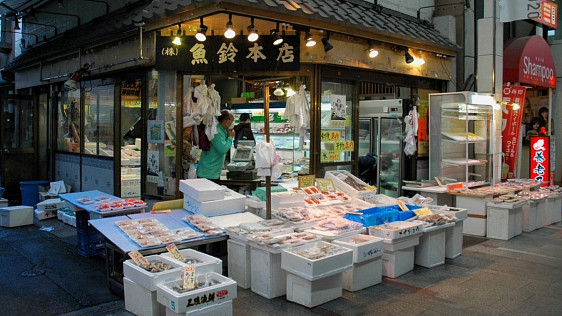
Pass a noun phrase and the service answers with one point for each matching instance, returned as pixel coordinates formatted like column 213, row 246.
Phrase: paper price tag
column 325, row 185
column 402, row 206
column 138, row 258
column 174, row 252
column 423, row 212
column 189, row 277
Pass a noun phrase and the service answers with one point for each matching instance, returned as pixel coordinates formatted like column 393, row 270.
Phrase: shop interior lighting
column 407, row 57
column 229, row 33
column 200, row 36
column 277, row 39
column 279, row 92
column 252, row 32
column 516, row 106
column 17, row 25
column 373, row 52
column 177, row 39
column 418, row 61
column 326, row 42
column 309, row 39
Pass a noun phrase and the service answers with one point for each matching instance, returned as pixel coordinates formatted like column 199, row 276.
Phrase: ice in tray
column 396, row 230
column 316, row 260
column 167, row 271
column 210, row 288
column 365, row 247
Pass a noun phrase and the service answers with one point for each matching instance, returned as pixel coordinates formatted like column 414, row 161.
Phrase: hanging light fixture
column 252, row 33
column 418, row 61
column 373, row 52
column 407, row 57
column 516, row 106
column 200, row 36
column 277, row 39
column 229, row 33
column 17, row 25
column 326, row 43
column 177, row 39
column 309, row 39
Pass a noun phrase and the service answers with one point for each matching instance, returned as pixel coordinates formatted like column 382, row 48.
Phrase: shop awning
column 528, row 60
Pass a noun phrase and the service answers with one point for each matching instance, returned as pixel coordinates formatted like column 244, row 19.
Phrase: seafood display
column 203, row 223
column 318, row 251
column 156, row 266
column 148, row 232
column 199, row 284
column 281, row 240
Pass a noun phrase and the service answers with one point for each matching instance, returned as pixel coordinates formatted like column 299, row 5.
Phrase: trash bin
column 30, row 192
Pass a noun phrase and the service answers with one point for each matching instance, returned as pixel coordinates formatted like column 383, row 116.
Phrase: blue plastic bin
column 379, row 215
column 30, row 192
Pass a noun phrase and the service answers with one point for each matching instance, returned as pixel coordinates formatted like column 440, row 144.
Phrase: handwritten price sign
column 347, row 145
column 329, row 155
column 330, row 135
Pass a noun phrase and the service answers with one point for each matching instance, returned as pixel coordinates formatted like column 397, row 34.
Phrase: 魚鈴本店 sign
column 539, row 163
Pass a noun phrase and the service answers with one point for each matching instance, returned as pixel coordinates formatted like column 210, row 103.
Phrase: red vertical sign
column 511, row 126
column 539, row 162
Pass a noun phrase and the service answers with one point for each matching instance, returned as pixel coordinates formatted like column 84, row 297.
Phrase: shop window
column 131, row 135
column 68, row 127
column 99, row 113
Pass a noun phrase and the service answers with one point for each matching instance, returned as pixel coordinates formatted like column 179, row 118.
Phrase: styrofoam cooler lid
column 202, row 189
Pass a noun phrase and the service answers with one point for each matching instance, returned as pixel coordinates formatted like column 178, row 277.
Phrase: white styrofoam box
column 267, row 278
column 232, row 202
column 239, row 262
column 503, row 219
column 73, row 207
column 396, row 230
column 208, row 263
column 288, row 205
column 50, row 205
column 529, row 217
column 72, row 221
column 399, row 244
column 147, row 279
column 41, row 214
column 220, row 309
column 363, row 275
column 397, row 263
column 66, row 218
column 551, row 211
column 141, row 301
column 474, row 226
column 338, row 177
column 319, row 268
column 453, row 241
column 286, row 197
column 473, row 204
column 556, row 206
column 60, row 215
column 196, row 299
column 459, row 213
column 3, row 202
column 540, row 205
column 12, row 216
column 430, row 252
column 365, row 247
column 313, row 293
column 202, row 189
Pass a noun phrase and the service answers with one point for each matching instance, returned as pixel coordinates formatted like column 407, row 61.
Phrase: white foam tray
column 400, row 229
column 316, row 269
column 369, row 247
column 202, row 189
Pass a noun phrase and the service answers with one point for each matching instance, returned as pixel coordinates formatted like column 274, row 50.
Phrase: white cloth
column 266, row 158
column 297, row 109
column 411, row 121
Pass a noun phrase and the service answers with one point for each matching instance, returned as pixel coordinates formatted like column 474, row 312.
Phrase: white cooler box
column 202, row 189
column 453, row 235
column 148, row 279
column 202, row 262
column 267, row 278
column 13, row 216
column 505, row 220
column 367, row 261
column 141, row 301
column 51, row 205
column 239, row 262
column 231, row 202
column 42, row 214
column 430, row 252
column 223, row 290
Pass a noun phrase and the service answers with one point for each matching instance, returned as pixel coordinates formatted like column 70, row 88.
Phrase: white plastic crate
column 232, row 202
column 12, row 216
column 397, row 263
column 316, row 269
column 363, row 275
column 239, row 263
column 141, row 301
column 540, row 204
column 365, row 247
column 196, row 299
column 504, row 220
column 529, row 217
column 267, row 278
column 208, row 263
column 50, row 205
column 220, row 309
column 430, row 252
column 396, row 230
column 147, row 279
column 313, row 293
column 453, row 240
column 475, row 223
column 339, row 178
column 41, row 214
column 202, row 189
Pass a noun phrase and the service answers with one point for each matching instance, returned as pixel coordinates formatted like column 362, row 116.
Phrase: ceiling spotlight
column 407, row 57
column 252, row 33
column 309, row 39
column 279, row 92
column 177, row 39
column 200, row 36
column 326, row 43
column 229, row 33
column 277, row 39
column 373, row 52
column 418, row 61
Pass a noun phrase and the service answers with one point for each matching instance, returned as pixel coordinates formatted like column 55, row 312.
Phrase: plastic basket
column 90, row 244
column 30, row 192
column 379, row 215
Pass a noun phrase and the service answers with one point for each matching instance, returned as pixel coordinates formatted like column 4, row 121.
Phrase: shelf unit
column 460, row 129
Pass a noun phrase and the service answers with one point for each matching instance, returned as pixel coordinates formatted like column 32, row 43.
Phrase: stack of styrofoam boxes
column 400, row 238
column 453, row 235
column 505, row 220
column 338, row 176
column 140, row 285
column 553, row 204
column 287, row 199
column 212, row 299
column 314, row 282
column 430, row 252
column 3, row 202
column 202, row 196
column 538, row 210
column 12, row 216
column 48, row 208
column 239, row 261
column 475, row 205
column 256, row 206
column 267, row 278
column 367, row 261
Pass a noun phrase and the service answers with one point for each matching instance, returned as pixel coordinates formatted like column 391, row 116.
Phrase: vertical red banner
column 539, row 162
column 512, row 96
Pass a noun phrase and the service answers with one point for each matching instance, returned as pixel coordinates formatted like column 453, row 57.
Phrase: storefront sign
column 511, row 126
column 529, row 60
column 545, row 12
column 540, row 159
column 549, row 14
column 218, row 54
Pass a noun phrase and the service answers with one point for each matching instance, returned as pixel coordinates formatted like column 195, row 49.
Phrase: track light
column 177, row 39
column 200, row 36
column 229, row 33
column 309, row 39
column 407, row 57
column 373, row 52
column 277, row 39
column 326, row 43
column 252, row 33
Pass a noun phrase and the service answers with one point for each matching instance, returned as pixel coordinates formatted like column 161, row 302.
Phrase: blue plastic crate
column 379, row 215
column 90, row 244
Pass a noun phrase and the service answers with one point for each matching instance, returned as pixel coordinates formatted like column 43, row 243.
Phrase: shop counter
column 252, row 184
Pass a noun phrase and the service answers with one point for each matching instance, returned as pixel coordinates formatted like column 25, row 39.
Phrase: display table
column 430, row 252
column 538, row 205
column 475, row 224
column 505, row 220
column 74, row 202
column 439, row 194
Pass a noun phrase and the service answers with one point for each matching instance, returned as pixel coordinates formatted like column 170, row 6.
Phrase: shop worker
column 243, row 131
column 212, row 161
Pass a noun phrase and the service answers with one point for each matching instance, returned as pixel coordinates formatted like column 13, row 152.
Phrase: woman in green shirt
column 212, row 161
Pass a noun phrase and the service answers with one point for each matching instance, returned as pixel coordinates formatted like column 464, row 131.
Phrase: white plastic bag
column 192, row 173
column 411, row 121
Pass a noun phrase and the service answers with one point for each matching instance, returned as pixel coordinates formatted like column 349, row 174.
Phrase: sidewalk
column 44, row 275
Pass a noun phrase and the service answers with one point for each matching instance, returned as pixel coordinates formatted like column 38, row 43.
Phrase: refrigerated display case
column 460, row 129
column 380, row 133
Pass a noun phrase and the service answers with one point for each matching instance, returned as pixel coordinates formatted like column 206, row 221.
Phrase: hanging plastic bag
column 211, row 129
column 192, row 173
column 411, row 121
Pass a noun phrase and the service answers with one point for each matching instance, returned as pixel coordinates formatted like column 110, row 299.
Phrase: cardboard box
column 202, row 190
column 42, row 214
column 13, row 216
column 51, row 205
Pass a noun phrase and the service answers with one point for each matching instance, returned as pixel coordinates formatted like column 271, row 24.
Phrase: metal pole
column 266, row 128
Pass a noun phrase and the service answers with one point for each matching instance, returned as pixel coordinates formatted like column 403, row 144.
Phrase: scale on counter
column 242, row 165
